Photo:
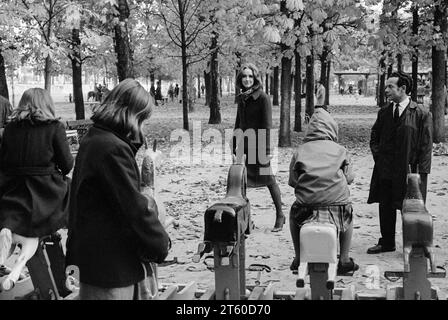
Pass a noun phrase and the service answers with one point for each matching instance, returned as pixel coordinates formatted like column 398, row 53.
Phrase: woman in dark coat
column 254, row 119
column 34, row 161
column 114, row 229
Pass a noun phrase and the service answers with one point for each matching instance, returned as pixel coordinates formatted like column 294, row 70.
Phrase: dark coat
column 255, row 112
column 112, row 226
column 34, row 192
column 5, row 111
column 412, row 146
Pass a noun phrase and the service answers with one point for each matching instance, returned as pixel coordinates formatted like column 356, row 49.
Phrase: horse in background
column 91, row 96
column 98, row 95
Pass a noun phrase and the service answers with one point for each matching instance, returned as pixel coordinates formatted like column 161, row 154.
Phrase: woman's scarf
column 244, row 95
column 242, row 100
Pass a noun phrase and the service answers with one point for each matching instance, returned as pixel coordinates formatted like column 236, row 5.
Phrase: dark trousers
column 388, row 215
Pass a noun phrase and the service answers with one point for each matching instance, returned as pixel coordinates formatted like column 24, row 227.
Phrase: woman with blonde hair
column 254, row 121
column 34, row 161
column 113, row 229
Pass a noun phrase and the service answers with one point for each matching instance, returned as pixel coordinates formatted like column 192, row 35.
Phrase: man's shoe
column 380, row 248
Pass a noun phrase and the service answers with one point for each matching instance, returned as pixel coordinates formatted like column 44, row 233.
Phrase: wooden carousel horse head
column 417, row 222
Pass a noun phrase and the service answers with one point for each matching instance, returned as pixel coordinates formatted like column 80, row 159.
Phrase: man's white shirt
column 402, row 105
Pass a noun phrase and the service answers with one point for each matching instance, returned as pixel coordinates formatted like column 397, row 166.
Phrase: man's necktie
column 396, row 113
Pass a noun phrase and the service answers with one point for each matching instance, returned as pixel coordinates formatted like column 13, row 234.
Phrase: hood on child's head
column 322, row 126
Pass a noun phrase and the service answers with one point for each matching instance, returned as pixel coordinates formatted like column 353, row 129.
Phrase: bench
column 81, row 126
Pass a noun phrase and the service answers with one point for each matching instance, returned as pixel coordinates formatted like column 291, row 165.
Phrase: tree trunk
column 190, row 93
column 327, row 84
column 438, row 77
column 77, row 75
column 390, row 67
column 284, row 139
column 125, row 67
column 309, row 104
column 48, row 62
column 47, row 73
column 3, row 80
column 291, row 82
column 271, row 87
column 382, row 83
column 399, row 62
column 199, row 86
column 266, row 84
column 276, row 85
column 238, row 66
column 323, row 65
column 208, row 89
column 415, row 25
column 298, row 94
column 152, row 88
column 215, row 114
column 184, row 65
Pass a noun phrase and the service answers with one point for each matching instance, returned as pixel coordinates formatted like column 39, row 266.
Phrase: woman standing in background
column 254, row 118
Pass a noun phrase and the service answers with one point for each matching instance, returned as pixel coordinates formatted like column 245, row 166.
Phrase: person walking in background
column 171, row 92
column 114, row 230
column 320, row 94
column 254, row 115
column 159, row 96
column 401, row 136
column 176, row 91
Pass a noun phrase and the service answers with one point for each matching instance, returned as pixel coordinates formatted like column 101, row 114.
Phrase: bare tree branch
column 190, row 38
column 173, row 9
column 174, row 37
column 201, row 58
column 166, row 21
column 193, row 13
column 43, row 33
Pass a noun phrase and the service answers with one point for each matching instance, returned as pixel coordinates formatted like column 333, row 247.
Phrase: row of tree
column 214, row 37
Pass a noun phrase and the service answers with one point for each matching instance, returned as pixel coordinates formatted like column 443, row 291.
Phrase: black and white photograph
column 201, row 151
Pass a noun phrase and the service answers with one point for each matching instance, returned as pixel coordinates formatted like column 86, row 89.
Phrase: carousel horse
column 8, row 243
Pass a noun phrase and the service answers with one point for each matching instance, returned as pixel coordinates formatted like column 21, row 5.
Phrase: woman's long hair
column 124, row 109
column 256, row 73
column 36, row 105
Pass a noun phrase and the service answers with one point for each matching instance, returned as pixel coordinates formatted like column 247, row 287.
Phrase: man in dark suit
column 401, row 136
